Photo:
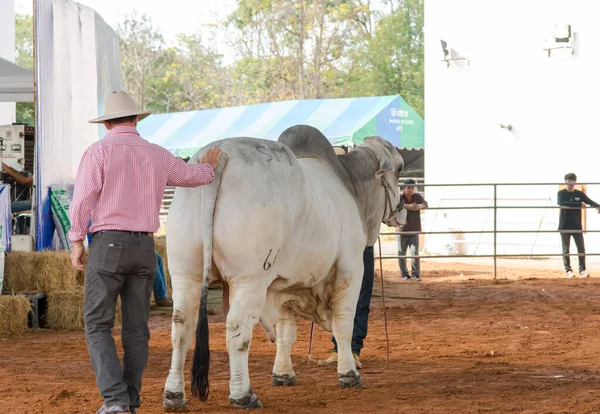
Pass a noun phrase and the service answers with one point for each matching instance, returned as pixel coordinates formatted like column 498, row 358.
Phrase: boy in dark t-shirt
column 414, row 203
column 569, row 223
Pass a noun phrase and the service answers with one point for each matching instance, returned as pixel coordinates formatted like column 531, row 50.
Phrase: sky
column 170, row 16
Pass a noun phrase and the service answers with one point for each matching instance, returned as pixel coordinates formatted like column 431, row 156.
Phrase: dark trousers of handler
column 566, row 248
column 361, row 318
column 119, row 264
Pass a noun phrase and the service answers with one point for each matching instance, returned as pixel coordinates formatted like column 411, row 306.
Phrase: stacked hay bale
column 14, row 310
column 46, row 271
column 50, row 272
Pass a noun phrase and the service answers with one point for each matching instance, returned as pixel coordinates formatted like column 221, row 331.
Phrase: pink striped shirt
column 121, row 182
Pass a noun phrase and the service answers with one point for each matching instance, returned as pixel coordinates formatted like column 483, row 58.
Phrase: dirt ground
column 459, row 342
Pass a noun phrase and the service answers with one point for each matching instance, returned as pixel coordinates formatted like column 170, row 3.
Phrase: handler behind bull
column 120, row 185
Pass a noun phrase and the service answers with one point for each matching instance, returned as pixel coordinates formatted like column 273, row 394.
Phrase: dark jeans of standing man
column 119, row 264
column 160, row 283
column 566, row 244
column 411, row 244
column 361, row 318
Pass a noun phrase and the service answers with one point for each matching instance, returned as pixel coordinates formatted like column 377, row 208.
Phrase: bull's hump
column 308, row 142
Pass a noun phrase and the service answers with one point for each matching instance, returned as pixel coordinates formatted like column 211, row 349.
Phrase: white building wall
column 551, row 103
column 7, row 51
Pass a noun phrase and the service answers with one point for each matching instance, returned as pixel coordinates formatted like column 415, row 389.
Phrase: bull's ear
column 384, row 166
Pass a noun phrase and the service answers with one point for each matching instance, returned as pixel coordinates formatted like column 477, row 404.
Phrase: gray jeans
column 119, row 264
column 404, row 244
column 566, row 248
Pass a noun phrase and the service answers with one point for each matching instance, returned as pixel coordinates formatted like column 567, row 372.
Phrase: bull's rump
column 259, row 193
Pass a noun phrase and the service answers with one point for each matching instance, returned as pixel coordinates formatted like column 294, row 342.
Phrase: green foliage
column 144, row 59
column 24, row 40
column 392, row 62
column 24, row 57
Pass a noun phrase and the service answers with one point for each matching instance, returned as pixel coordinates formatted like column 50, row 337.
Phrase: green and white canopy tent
column 345, row 122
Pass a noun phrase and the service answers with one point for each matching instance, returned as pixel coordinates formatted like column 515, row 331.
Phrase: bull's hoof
column 350, row 380
column 174, row 402
column 284, row 380
column 248, row 402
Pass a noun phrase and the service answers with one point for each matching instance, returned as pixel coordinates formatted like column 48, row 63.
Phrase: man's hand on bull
column 212, row 157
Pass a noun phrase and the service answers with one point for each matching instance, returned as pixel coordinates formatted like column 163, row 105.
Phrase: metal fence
column 495, row 231
column 421, row 187
column 166, row 203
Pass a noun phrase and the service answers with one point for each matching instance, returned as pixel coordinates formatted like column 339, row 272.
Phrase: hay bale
column 80, row 278
column 55, row 272
column 19, row 274
column 65, row 311
column 47, row 271
column 13, row 314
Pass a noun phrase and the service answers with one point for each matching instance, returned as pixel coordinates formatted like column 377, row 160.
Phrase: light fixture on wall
column 560, row 40
column 445, row 49
column 452, row 57
column 562, row 33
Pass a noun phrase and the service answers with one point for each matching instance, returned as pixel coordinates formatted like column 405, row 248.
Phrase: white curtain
column 77, row 66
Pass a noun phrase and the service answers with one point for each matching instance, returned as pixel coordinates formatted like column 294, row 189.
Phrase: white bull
column 283, row 227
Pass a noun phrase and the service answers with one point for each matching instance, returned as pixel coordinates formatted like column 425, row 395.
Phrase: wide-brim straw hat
column 118, row 105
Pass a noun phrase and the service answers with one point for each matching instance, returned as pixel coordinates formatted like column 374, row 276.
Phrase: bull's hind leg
column 346, row 290
column 186, row 300
column 247, row 301
column 283, row 371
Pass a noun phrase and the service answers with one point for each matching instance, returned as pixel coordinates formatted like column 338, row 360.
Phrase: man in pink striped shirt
column 120, row 184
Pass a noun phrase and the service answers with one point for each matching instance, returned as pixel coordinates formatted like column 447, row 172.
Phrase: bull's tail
column 201, row 361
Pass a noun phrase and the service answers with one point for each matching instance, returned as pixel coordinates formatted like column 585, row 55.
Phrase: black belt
column 131, row 233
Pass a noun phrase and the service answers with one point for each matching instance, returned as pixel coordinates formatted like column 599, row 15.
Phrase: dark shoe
column 113, row 409
column 417, row 278
column 406, row 277
column 132, row 410
column 164, row 302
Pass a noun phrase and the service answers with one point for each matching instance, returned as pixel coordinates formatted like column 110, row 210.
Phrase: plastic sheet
column 5, row 217
column 77, row 66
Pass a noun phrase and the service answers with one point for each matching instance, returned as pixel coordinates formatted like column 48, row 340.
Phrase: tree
column 197, row 75
column 392, row 62
column 24, row 40
column 303, row 43
column 144, row 58
column 24, row 57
